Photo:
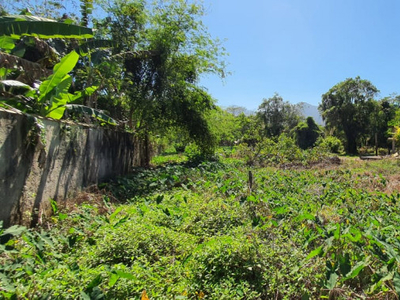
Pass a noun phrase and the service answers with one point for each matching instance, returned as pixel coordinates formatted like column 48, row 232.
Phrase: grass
column 199, row 232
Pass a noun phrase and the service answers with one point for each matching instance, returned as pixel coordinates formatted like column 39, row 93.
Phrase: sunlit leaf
column 15, row 84
column 113, row 279
column 14, row 230
column 22, row 25
column 355, row 270
column 331, row 283
column 314, row 253
column 7, row 43
column 60, row 70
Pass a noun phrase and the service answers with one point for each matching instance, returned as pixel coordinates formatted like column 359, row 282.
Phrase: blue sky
column 300, row 49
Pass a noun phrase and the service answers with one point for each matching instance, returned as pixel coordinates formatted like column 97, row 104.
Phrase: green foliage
column 383, row 113
column 334, row 144
column 278, row 116
column 225, row 127
column 347, row 107
column 27, row 25
column 198, row 232
column 163, row 49
column 306, row 133
column 283, row 152
column 52, row 97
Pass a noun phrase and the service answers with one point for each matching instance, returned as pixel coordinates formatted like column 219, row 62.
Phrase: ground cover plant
column 203, row 232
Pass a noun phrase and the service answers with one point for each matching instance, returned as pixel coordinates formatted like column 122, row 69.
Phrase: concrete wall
column 53, row 162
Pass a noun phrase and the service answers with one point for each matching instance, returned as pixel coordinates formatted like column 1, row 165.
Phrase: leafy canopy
column 347, row 107
column 278, row 115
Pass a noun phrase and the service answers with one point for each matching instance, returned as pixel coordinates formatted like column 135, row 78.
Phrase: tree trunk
column 147, row 151
column 351, row 143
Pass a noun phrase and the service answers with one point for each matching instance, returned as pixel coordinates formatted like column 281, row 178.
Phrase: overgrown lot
column 203, row 232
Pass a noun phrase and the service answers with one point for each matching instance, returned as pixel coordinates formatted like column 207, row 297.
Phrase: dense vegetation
column 139, row 67
column 189, row 231
column 137, row 64
column 271, row 215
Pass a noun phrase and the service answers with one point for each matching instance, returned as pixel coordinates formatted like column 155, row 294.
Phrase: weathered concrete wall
column 53, row 163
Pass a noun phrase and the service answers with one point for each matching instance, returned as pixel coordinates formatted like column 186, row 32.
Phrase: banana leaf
column 17, row 26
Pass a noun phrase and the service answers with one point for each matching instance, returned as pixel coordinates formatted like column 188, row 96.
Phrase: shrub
column 227, row 261
column 334, row 144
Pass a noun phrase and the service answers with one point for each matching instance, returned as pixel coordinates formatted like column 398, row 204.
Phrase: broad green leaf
column 125, row 275
column 3, row 72
column 389, row 276
column 15, row 84
column 56, row 113
column 60, row 99
column 306, row 216
column 331, row 283
column 60, row 70
column 113, row 279
column 396, row 283
column 315, row 252
column 96, row 294
column 354, row 235
column 17, row 26
column 7, row 43
column 336, row 233
column 390, row 250
column 14, row 230
column 18, row 18
column 355, row 270
column 90, row 90
column 121, row 221
column 80, row 94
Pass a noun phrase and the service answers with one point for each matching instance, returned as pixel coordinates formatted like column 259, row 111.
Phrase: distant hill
column 309, row 110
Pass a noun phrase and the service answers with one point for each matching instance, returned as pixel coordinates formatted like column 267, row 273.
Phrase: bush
column 230, row 263
column 285, row 152
column 197, row 154
column 332, row 143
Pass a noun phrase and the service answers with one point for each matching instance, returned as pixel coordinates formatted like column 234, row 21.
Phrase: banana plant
column 16, row 26
column 52, row 97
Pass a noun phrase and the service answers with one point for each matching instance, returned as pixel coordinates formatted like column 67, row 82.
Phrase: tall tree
column 383, row 112
column 278, row 115
column 225, row 126
column 347, row 106
column 307, row 133
column 164, row 48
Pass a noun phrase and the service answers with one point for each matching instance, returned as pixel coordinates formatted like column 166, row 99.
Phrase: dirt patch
column 324, row 163
column 393, row 184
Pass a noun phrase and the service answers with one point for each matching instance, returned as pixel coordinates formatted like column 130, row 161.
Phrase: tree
column 225, row 126
column 383, row 112
column 306, row 133
column 278, row 115
column 163, row 48
column 347, row 107
column 149, row 79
